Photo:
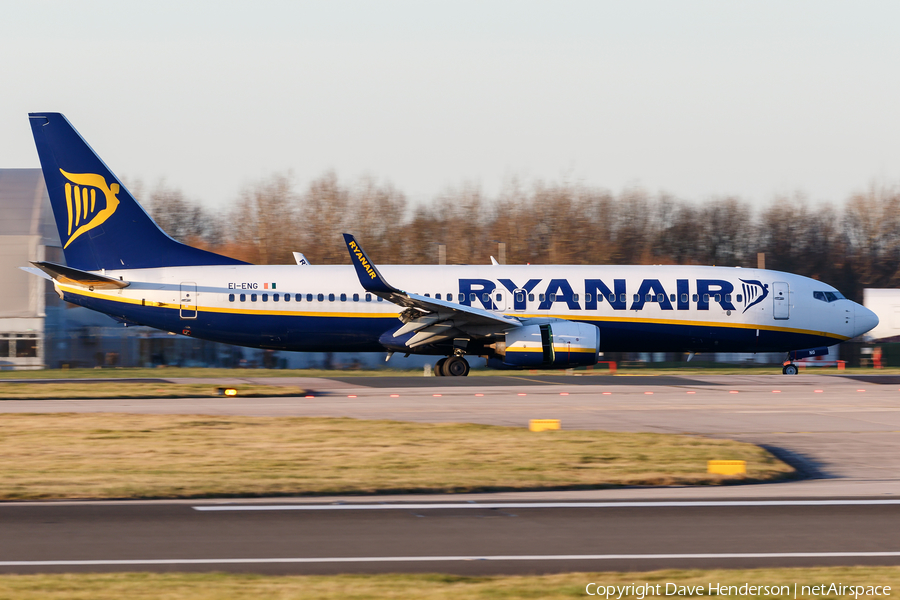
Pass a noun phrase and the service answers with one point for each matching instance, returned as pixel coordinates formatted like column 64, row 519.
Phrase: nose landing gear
column 789, row 369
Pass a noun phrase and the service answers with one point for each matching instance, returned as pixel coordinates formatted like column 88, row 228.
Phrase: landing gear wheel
column 456, row 366
column 439, row 367
column 790, row 369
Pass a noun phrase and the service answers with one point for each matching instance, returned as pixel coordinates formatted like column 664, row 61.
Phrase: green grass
column 104, row 455
column 221, row 586
column 191, row 372
column 44, row 391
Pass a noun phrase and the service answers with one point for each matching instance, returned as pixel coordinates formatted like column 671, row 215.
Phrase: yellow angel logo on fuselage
column 81, row 202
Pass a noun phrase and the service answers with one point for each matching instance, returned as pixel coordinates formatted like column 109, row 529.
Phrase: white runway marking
column 456, row 505
column 398, row 559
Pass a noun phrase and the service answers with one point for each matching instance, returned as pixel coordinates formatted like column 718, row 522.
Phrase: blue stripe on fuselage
column 305, row 333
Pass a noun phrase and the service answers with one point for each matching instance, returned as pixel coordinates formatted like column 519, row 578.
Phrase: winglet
column 368, row 274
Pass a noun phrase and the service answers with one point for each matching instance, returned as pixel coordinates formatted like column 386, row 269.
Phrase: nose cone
column 864, row 320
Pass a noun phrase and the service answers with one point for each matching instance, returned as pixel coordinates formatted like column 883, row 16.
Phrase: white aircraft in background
column 119, row 262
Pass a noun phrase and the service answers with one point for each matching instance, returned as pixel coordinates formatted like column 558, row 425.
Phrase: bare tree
column 265, row 218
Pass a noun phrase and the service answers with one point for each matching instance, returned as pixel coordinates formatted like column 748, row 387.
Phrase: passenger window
column 486, row 298
column 684, row 299
column 321, row 297
column 252, row 297
column 498, row 297
column 380, row 299
column 231, row 297
column 275, row 297
column 575, row 297
column 437, row 296
column 541, row 297
column 637, row 298
column 428, row 295
column 740, row 298
column 331, row 297
column 621, row 297
column 696, row 298
column 368, row 297
column 671, row 297
column 243, row 297
column 462, row 297
column 265, row 297
column 587, row 297
column 520, row 297
column 473, row 297
column 287, row 297
column 706, row 297
column 727, row 297
column 718, row 297
column 552, row 297
column 356, row 297
column 660, row 297
column 531, row 297
column 343, row 297
column 449, row 297
column 612, row 298
column 648, row 298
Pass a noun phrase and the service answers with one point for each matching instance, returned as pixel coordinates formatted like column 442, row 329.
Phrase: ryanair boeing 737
column 119, row 262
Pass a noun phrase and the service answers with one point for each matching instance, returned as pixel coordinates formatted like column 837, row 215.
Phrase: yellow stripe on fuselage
column 556, row 348
column 224, row 310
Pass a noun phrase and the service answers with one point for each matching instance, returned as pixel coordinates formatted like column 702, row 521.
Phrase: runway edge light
column 543, row 424
column 726, row 467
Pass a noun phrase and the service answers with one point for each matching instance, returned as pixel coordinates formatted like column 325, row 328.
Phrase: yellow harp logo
column 81, row 202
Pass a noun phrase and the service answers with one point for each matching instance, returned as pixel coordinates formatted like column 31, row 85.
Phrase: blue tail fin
column 101, row 226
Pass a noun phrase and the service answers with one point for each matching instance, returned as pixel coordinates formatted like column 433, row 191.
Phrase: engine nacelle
column 556, row 344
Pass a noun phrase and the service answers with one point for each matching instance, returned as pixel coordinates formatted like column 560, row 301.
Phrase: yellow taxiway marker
column 543, row 424
column 726, row 467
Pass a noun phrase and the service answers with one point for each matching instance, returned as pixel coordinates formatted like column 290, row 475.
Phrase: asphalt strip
column 414, row 559
column 651, row 504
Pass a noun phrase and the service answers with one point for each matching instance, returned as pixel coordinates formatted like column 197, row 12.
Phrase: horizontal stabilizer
column 64, row 274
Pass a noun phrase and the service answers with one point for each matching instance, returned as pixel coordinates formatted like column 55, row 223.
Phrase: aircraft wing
column 64, row 274
column 433, row 320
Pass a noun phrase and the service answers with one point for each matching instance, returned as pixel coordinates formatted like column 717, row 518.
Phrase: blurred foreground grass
column 221, row 586
column 106, row 455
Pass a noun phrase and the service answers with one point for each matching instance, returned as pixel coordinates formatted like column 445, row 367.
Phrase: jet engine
column 555, row 344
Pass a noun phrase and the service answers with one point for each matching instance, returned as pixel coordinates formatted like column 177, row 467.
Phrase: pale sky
column 694, row 98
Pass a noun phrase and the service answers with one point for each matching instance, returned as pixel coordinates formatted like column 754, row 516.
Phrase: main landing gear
column 789, row 369
column 452, row 366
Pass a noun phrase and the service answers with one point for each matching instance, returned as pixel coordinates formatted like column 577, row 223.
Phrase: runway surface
column 844, row 433
column 451, row 538
column 838, row 428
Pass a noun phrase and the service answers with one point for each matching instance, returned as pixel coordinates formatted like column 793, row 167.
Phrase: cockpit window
column 828, row 296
